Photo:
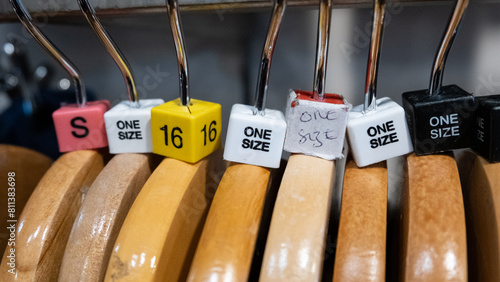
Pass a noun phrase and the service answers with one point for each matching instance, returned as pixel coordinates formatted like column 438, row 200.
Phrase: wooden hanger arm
column 28, row 167
column 160, row 232
column 102, row 214
column 434, row 235
column 361, row 241
column 297, row 235
column 228, row 239
column 46, row 221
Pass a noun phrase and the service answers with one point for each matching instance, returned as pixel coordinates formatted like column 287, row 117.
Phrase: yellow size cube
column 188, row 133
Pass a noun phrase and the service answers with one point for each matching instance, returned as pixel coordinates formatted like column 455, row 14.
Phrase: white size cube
column 255, row 139
column 316, row 128
column 128, row 126
column 378, row 135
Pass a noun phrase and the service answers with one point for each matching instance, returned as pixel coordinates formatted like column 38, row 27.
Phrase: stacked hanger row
column 138, row 217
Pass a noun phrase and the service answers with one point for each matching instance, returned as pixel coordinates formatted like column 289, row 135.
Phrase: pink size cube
column 81, row 128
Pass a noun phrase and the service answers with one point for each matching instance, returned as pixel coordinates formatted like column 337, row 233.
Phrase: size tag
column 81, row 128
column 486, row 139
column 187, row 133
column 440, row 122
column 316, row 128
column 128, row 126
column 255, row 139
column 378, row 135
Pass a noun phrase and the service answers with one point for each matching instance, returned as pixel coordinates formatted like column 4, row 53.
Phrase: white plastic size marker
column 377, row 130
column 129, row 127
column 255, row 139
column 128, row 124
column 378, row 135
column 316, row 128
column 255, row 135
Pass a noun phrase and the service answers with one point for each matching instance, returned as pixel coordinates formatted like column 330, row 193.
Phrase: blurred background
column 224, row 48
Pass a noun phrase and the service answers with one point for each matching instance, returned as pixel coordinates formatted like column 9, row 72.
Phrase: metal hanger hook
column 113, row 50
column 175, row 23
column 27, row 21
column 444, row 49
column 373, row 57
column 325, row 10
column 267, row 55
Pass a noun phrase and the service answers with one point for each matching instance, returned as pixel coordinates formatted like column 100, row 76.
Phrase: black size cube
column 486, row 139
column 440, row 122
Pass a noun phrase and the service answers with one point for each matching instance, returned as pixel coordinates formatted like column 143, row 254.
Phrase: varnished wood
column 160, row 232
column 45, row 223
column 481, row 189
column 226, row 246
column 101, row 216
column 361, row 241
column 29, row 166
column 297, row 236
column 434, row 235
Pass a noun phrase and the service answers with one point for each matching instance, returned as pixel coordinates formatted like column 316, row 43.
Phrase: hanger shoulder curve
column 102, row 214
column 228, row 238
column 481, row 189
column 160, row 232
column 433, row 219
column 28, row 167
column 45, row 223
column 300, row 218
column 361, row 241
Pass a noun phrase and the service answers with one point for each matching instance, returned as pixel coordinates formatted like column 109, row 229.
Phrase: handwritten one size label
column 315, row 128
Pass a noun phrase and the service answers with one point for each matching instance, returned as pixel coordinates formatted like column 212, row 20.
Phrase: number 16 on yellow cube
column 187, row 133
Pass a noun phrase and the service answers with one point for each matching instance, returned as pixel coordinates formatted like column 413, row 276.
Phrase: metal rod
column 444, row 49
column 267, row 54
column 113, row 50
column 173, row 14
column 375, row 44
column 27, row 21
column 325, row 10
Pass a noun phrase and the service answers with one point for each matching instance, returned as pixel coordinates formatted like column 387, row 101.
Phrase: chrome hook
column 173, row 14
column 444, row 49
column 27, row 21
column 113, row 50
column 325, row 10
column 375, row 44
column 267, row 55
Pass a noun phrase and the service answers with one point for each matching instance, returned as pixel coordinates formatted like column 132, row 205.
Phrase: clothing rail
column 68, row 8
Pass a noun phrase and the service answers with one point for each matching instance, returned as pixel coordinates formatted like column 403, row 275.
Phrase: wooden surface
column 46, row 221
column 29, row 167
column 481, row 189
column 102, row 214
column 160, row 232
column 361, row 241
column 434, row 233
column 226, row 246
column 297, row 236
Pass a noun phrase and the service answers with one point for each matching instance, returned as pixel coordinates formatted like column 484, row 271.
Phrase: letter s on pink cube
column 81, row 128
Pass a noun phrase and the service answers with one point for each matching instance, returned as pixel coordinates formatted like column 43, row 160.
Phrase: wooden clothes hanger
column 229, row 235
column 28, row 167
column 45, row 223
column 102, row 214
column 434, row 235
column 297, row 235
column 481, row 190
column 159, row 234
column 361, row 241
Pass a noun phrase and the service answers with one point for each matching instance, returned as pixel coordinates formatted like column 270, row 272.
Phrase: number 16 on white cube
column 254, row 138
